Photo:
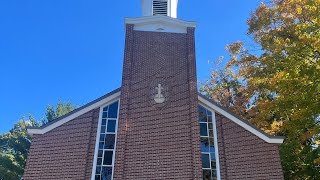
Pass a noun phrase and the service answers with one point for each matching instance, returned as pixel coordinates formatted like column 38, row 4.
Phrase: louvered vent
column 160, row 7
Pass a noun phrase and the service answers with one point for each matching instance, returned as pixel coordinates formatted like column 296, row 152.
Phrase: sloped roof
column 111, row 96
column 243, row 123
column 114, row 95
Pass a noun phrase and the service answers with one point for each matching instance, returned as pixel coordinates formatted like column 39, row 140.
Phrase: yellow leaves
column 299, row 10
column 275, row 127
column 317, row 161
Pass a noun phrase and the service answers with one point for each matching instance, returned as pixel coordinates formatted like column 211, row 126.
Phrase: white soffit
column 160, row 24
column 106, row 100
column 267, row 138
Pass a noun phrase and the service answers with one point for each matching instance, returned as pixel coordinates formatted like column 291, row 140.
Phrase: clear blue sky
column 72, row 50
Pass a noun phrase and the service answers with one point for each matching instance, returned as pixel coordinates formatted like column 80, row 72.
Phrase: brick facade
column 66, row 152
column 154, row 141
column 158, row 142
column 243, row 155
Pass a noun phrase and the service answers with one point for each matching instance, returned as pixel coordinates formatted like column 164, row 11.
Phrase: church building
column 156, row 126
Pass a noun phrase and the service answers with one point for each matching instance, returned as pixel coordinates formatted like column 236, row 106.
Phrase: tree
column 14, row 145
column 60, row 110
column 281, row 82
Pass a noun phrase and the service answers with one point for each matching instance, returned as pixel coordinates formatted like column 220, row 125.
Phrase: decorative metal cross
column 159, row 98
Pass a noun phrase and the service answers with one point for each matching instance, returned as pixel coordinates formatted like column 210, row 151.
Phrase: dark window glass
column 100, row 153
column 103, row 129
column 213, row 165
column 102, row 136
column 205, row 161
column 212, row 149
column 109, row 141
column 204, row 144
column 111, row 126
column 99, row 161
column 106, row 173
column 98, row 169
column 209, row 113
column 203, row 129
column 107, row 158
column 104, row 114
column 211, row 141
column 101, row 144
column 97, row 177
column 212, row 155
column 206, row 174
column 106, row 108
column 210, row 125
column 113, row 110
column 202, row 114
column 211, row 133
column 104, row 122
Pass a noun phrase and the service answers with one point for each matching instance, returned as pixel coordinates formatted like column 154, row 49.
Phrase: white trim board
column 116, row 95
column 160, row 24
column 263, row 136
column 95, row 105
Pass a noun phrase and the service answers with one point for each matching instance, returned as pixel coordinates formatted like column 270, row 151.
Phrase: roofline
column 165, row 19
column 111, row 96
column 241, row 122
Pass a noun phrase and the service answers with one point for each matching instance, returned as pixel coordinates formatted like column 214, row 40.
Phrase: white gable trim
column 95, row 105
column 160, row 24
column 263, row 136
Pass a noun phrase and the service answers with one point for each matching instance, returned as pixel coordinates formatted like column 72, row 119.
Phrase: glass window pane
column 204, row 144
column 210, row 125
column 203, row 129
column 111, row 126
column 209, row 113
column 106, row 108
column 213, row 156
column 99, row 161
column 211, row 141
column 113, row 110
column 107, row 158
column 106, row 173
column 100, row 153
column 104, row 114
column 97, row 177
column 98, row 170
column 213, row 165
column 104, row 122
column 206, row 174
column 212, row 150
column 210, row 133
column 103, row 129
column 101, row 144
column 102, row 136
column 202, row 114
column 109, row 141
column 205, row 161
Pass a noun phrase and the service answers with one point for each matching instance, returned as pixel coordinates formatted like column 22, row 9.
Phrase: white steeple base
column 160, row 24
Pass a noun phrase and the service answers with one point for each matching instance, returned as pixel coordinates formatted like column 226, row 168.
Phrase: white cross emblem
column 159, row 98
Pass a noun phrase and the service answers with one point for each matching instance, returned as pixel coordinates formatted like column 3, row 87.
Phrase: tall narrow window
column 207, row 143
column 105, row 152
column 160, row 7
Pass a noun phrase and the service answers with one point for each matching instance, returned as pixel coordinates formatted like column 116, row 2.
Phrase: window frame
column 95, row 158
column 215, row 138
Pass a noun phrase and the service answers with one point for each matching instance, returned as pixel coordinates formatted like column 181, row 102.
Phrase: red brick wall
column 243, row 155
column 158, row 142
column 66, row 152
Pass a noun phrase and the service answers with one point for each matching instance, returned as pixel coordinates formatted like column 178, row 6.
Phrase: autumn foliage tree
column 278, row 89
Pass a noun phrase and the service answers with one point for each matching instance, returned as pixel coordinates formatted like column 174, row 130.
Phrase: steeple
column 159, row 8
